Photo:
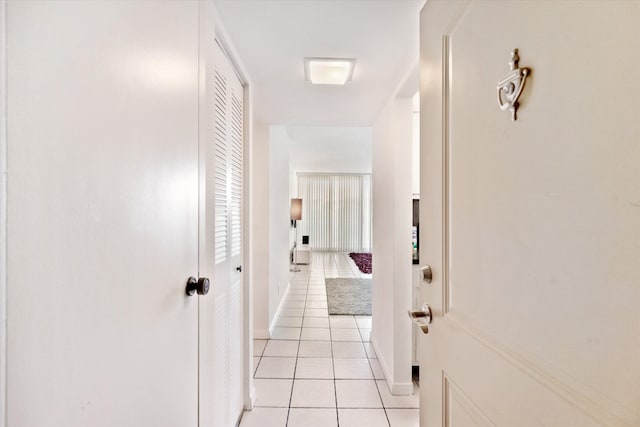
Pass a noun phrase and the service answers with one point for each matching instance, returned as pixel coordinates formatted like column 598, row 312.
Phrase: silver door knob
column 422, row 317
column 427, row 274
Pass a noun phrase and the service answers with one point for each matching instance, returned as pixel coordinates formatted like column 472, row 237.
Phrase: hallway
column 321, row 370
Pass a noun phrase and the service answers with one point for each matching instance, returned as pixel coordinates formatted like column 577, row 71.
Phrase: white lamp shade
column 296, row 209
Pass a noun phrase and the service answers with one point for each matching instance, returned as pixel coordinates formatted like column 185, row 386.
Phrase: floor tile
column 286, row 333
column 365, row 334
column 316, row 312
column 403, row 417
column 280, row 348
column 292, row 312
column 276, row 367
column 315, row 334
column 362, row 417
column 349, row 350
column 314, row 368
column 315, row 322
column 313, row 394
column 345, row 335
column 312, row 417
column 258, row 347
column 391, row 401
column 314, row 349
column 342, row 322
column 273, row 393
column 289, row 322
column 363, row 322
column 316, row 304
column 352, row 369
column 357, row 394
column 294, row 304
column 265, row 417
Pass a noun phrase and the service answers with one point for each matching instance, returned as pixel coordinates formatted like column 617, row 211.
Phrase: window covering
column 336, row 211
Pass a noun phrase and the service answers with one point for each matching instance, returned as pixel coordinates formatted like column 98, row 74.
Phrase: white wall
column 3, row 207
column 415, row 155
column 260, row 230
column 279, row 228
column 330, row 149
column 392, row 265
column 272, row 234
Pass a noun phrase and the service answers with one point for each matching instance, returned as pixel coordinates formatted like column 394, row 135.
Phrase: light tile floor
column 320, row 370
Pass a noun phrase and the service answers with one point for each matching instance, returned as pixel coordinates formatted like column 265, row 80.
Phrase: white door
column 532, row 227
column 222, row 314
column 102, row 213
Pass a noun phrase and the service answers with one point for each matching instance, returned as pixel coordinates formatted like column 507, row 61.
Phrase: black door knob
column 201, row 286
column 239, row 269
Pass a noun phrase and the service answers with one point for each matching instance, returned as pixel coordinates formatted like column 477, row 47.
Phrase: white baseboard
column 401, row 389
column 381, row 359
column 261, row 334
column 396, row 388
column 276, row 316
column 252, row 399
column 264, row 334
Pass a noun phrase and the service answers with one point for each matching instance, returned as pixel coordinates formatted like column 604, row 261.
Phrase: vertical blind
column 336, row 211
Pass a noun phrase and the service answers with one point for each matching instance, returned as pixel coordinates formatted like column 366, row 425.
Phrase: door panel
column 533, row 222
column 236, row 171
column 222, row 316
column 102, row 213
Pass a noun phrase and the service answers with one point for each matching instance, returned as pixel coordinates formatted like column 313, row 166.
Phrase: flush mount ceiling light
column 329, row 71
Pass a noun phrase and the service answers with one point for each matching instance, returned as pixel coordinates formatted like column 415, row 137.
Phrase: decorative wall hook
column 510, row 88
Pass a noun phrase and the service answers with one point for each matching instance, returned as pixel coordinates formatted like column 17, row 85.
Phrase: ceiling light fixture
column 329, row 71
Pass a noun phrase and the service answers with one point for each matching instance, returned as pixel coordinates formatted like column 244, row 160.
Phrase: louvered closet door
column 221, row 315
column 236, row 297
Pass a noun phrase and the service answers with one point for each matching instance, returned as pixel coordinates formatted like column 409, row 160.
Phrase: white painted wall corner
column 396, row 388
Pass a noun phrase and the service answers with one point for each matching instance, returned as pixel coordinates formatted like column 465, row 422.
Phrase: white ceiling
column 330, row 149
column 273, row 36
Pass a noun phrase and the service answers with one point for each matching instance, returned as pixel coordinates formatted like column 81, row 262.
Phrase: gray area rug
column 349, row 296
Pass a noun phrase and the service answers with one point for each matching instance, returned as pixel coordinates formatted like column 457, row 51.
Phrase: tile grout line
column 295, row 368
column 330, row 340
column 375, row 381
column 333, row 363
